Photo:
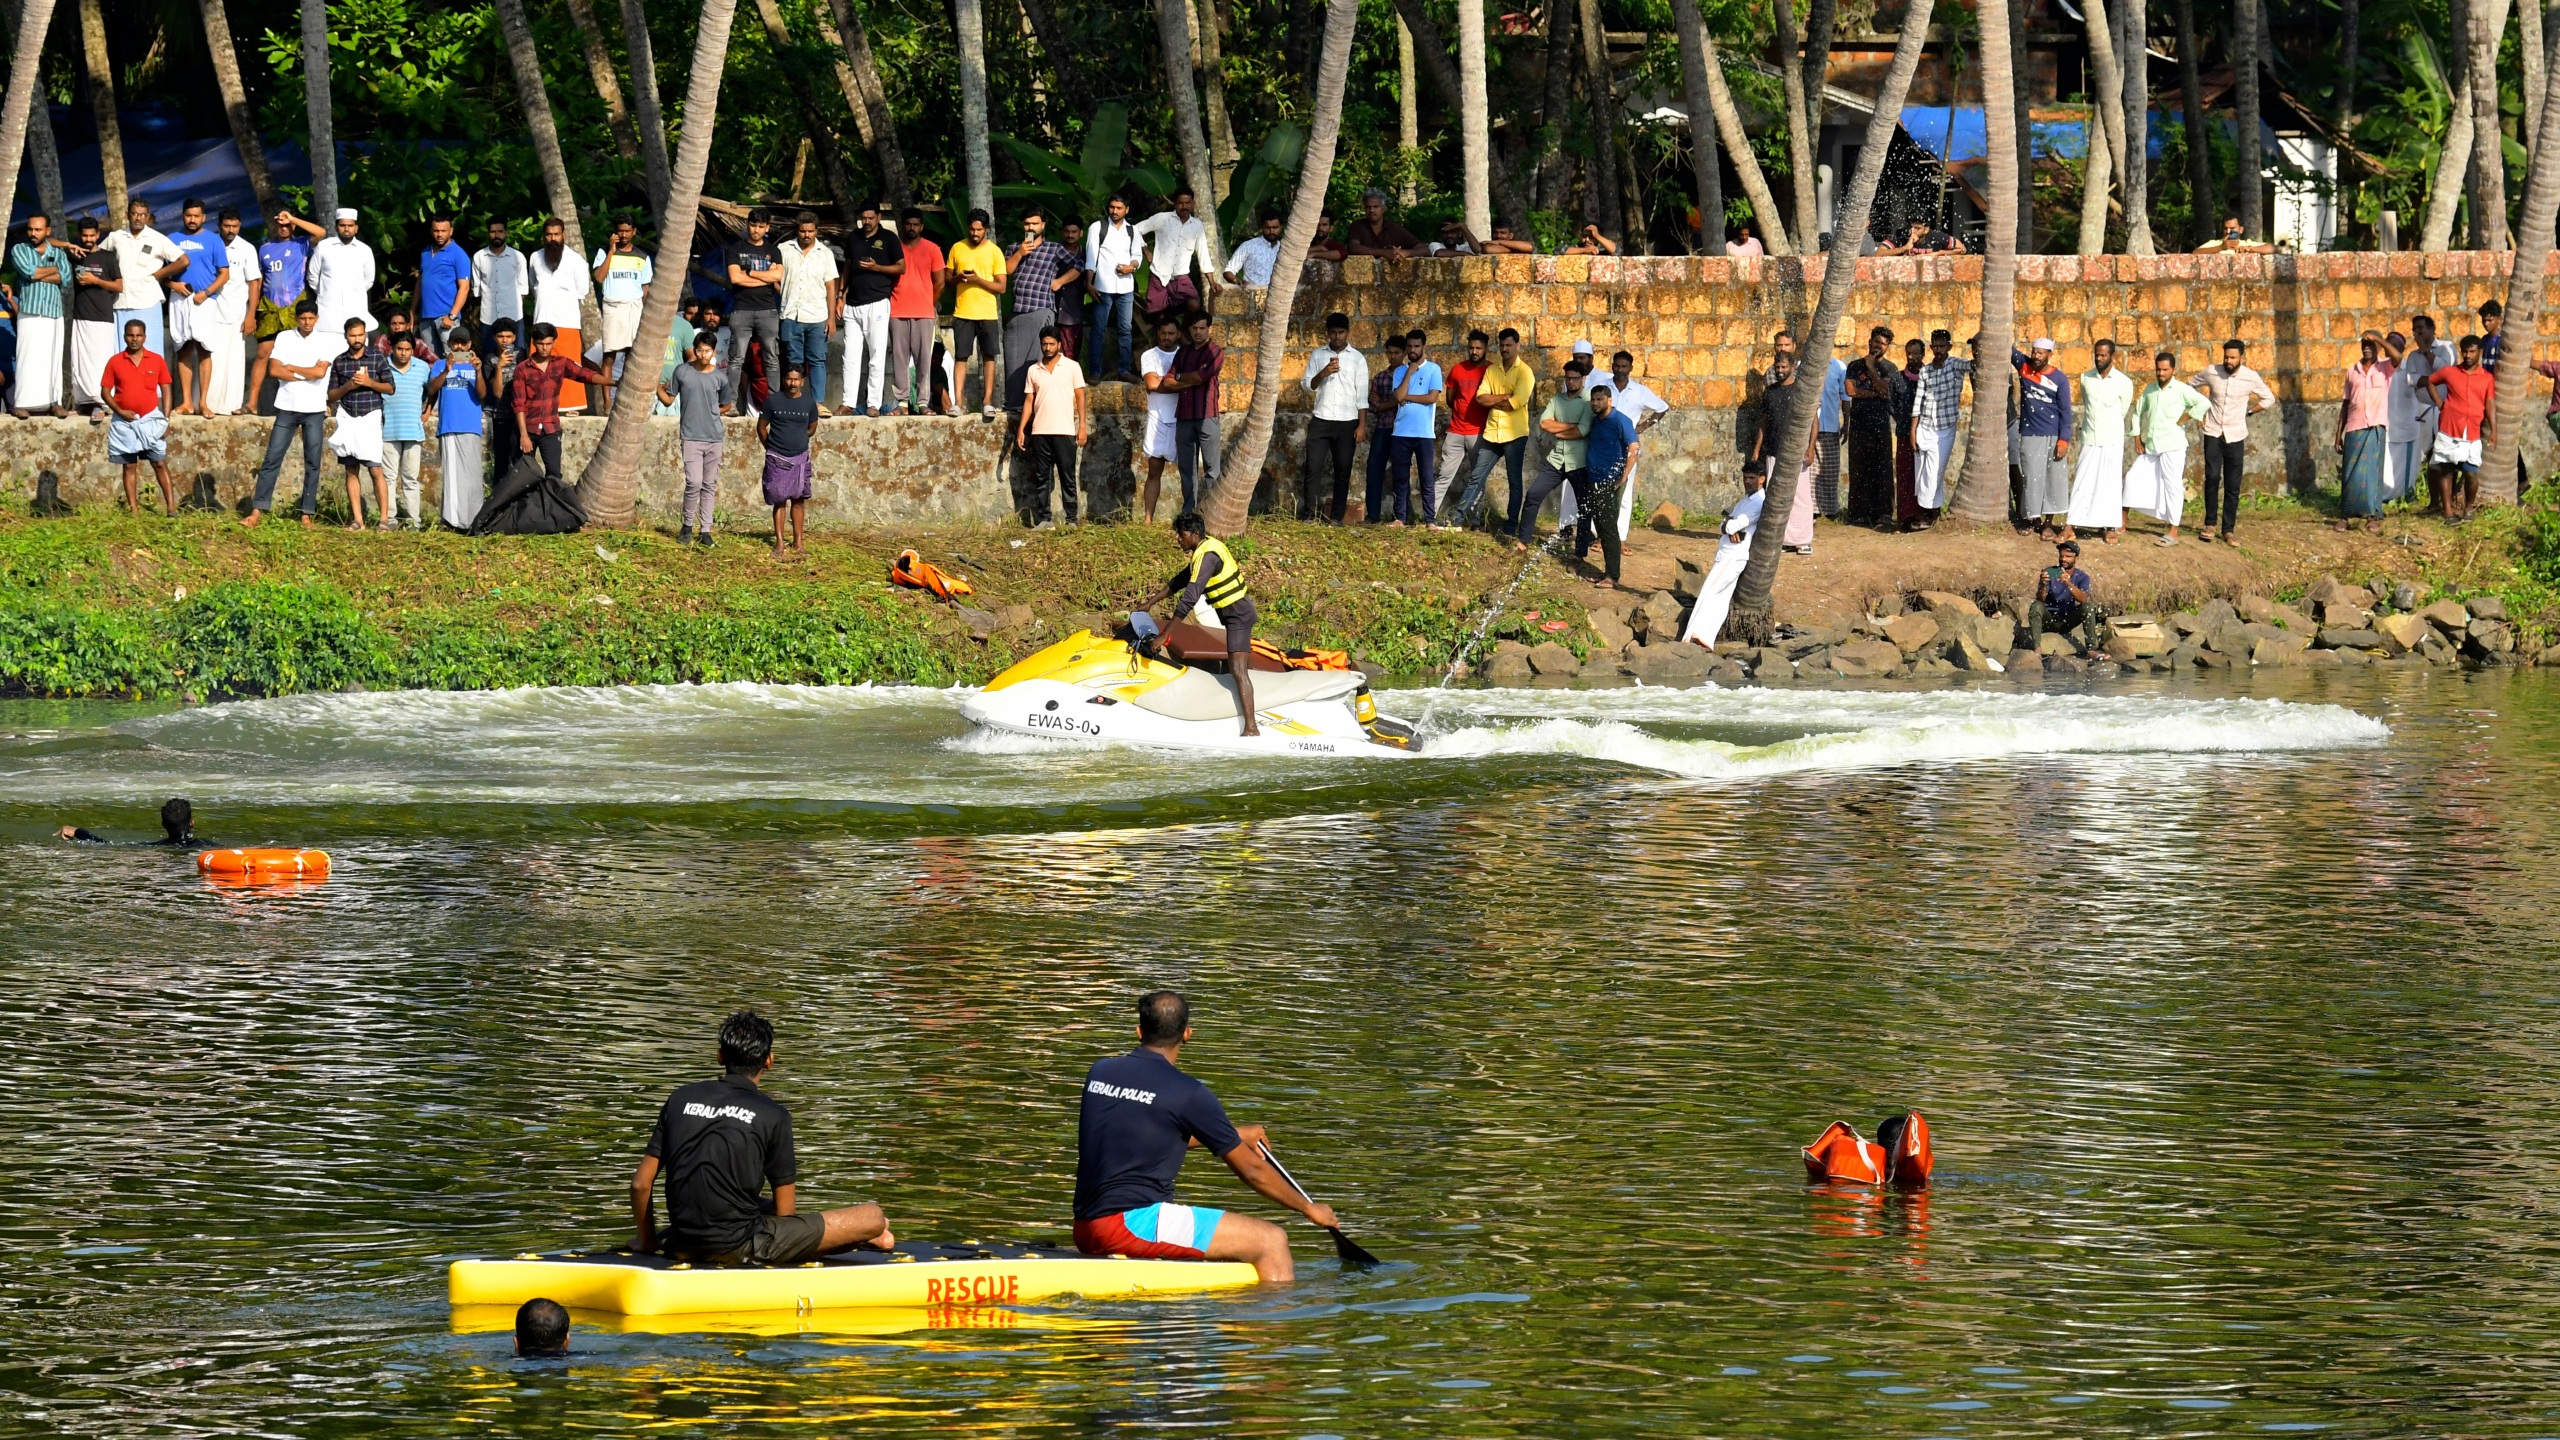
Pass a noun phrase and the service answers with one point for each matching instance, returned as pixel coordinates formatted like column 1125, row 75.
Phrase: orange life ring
column 270, row 864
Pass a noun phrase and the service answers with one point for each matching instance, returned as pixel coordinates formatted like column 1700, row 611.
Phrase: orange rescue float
column 259, row 865
column 1899, row 1156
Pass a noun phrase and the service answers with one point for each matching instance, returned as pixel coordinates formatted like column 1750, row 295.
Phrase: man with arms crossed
column 1139, row 1116
column 719, row 1142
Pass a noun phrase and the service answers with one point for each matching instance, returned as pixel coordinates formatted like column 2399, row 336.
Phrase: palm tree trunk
column 1800, row 144
column 536, row 99
column 2020, row 62
column 2093, row 194
column 1213, row 100
column 617, row 113
column 2529, row 50
column 1737, row 146
column 42, row 155
column 235, row 102
column 26, row 68
column 2244, row 99
column 1175, row 32
column 1555, row 104
column 2453, row 159
column 1434, row 55
column 2488, row 148
column 970, row 21
column 821, row 135
column 1475, row 135
column 1702, row 125
column 100, row 71
column 2204, row 204
column 2133, row 57
column 1821, row 19
column 645, row 114
column 1600, row 107
column 1409, row 110
column 2106, row 78
column 1983, row 494
column 610, row 485
column 1075, row 88
column 1229, row 503
column 1751, row 595
column 317, row 105
column 2534, row 227
column 871, row 112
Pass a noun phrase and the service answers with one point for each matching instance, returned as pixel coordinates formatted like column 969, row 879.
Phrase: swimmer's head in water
column 746, row 1041
column 178, row 818
column 542, row 1330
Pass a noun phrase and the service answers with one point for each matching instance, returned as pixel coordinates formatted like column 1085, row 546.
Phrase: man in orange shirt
column 138, row 429
column 2466, row 418
column 911, row 315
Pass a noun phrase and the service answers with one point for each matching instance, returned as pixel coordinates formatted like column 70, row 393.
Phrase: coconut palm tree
column 2206, row 220
column 1475, row 134
column 536, row 98
column 1737, row 144
column 820, row 135
column 969, row 19
column 645, row 114
column 2134, row 57
column 2106, row 129
column 841, row 25
column 42, row 156
column 1800, row 140
column 1600, row 104
column 2488, row 142
column 101, row 74
column 1173, row 29
column 235, row 101
column 1750, row 615
column 2243, row 39
column 617, row 112
column 1434, row 55
column 2524, row 293
column 2093, row 193
column 1233, row 496
column 26, row 66
column 1223, row 155
column 2453, row 158
column 316, row 105
column 1983, row 494
column 1703, row 126
column 610, row 485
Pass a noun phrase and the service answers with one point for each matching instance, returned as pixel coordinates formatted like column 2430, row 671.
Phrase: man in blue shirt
column 444, row 284
column 1417, row 385
column 2062, row 602
column 1139, row 1116
column 208, row 271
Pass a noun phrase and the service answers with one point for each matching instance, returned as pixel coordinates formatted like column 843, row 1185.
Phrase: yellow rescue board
column 917, row 1277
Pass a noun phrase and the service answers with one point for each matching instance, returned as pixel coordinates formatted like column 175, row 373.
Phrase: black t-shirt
column 89, row 302
column 1139, row 1115
column 720, row 1142
column 756, row 260
column 870, row 287
column 792, row 415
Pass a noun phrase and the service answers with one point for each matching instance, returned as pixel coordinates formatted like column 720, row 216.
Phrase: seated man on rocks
column 2062, row 602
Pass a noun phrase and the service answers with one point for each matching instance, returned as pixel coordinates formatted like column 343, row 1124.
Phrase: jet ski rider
column 1213, row 574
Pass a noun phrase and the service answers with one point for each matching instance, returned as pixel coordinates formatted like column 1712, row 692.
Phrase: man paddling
column 719, row 1142
column 1140, row 1116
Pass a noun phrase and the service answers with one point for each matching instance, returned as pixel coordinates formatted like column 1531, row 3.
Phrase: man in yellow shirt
column 1506, row 394
column 977, row 278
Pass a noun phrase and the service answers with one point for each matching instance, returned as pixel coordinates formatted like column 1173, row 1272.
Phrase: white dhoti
column 226, row 376
column 1929, row 467
column 358, row 438
column 39, row 362
column 459, row 461
column 93, row 344
column 1157, row 442
column 1715, row 598
column 2403, row 461
column 2157, row 484
column 185, row 315
column 2098, row 487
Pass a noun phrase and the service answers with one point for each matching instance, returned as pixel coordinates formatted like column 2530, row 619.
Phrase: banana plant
column 1283, row 150
column 1079, row 187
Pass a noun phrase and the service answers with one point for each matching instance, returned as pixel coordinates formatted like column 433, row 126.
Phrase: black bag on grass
column 528, row 502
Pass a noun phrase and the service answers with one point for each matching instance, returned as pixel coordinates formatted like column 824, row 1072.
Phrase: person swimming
column 177, row 818
column 542, row 1330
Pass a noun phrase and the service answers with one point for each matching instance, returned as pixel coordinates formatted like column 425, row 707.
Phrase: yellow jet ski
column 1176, row 693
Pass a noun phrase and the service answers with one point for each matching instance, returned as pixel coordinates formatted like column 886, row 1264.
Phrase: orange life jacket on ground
column 914, row 570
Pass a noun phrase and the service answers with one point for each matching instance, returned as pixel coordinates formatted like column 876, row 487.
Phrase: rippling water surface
column 2232, row 1012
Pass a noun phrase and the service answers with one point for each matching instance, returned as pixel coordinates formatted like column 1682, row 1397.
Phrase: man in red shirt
column 2466, row 395
column 537, row 396
column 911, row 315
column 138, row 427
column 1466, row 422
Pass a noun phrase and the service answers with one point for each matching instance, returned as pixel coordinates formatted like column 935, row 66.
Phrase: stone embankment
column 1939, row 633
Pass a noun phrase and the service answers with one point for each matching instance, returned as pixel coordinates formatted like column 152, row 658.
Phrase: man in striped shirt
column 1934, row 411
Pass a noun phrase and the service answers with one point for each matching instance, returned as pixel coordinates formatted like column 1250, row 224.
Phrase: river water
column 2232, row 1013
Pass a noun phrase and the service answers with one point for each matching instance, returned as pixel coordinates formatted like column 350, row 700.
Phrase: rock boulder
column 2486, row 607
column 2278, row 650
column 1666, row 517
column 1946, row 602
column 1866, row 659
column 2336, row 638
column 2448, row 616
column 1670, row 665
column 1612, row 628
column 2212, row 615
column 1910, row 632
column 1509, row 666
column 2400, row 633
column 1689, row 582
column 1551, row 658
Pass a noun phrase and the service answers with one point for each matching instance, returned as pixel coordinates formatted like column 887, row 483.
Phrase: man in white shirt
column 230, row 322
column 1176, row 241
column 1156, row 442
column 1338, row 377
column 1733, row 553
column 147, row 258
column 2412, row 405
column 559, row 282
column 622, row 275
column 1113, row 251
column 1636, row 400
column 1254, row 258
column 342, row 274
column 300, row 363
column 499, row 281
column 811, row 288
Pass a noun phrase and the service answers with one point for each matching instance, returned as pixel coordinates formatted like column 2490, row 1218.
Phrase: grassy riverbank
column 102, row 604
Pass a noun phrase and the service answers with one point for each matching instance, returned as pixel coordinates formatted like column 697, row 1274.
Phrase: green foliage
column 48, row 647
column 1276, row 160
column 274, row 638
column 1078, row 189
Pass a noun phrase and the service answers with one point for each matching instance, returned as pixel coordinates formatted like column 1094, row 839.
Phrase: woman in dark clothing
column 1876, row 395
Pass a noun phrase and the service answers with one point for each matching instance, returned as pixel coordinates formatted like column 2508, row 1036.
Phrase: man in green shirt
column 1565, row 422
column 2157, row 483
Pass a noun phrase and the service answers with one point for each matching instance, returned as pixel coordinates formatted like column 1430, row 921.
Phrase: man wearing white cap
column 2044, row 436
column 342, row 274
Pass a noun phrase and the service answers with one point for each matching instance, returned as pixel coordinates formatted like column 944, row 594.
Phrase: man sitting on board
column 719, row 1142
column 1140, row 1116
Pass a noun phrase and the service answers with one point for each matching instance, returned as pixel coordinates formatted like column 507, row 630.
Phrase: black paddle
column 1344, row 1246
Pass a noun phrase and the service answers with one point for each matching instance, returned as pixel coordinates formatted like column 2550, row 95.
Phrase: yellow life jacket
column 1225, row 588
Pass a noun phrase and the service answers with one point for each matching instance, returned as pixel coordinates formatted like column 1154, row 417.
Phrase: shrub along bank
column 100, row 604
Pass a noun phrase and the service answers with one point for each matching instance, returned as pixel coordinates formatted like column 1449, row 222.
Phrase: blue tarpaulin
column 1931, row 126
column 165, row 173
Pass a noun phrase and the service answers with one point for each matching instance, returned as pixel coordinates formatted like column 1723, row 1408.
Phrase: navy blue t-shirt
column 1140, row 1115
column 1612, row 436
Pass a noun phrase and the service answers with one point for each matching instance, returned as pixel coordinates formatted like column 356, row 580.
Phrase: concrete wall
column 1700, row 330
